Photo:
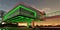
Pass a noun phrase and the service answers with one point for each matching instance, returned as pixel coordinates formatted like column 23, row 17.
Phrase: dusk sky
column 46, row 5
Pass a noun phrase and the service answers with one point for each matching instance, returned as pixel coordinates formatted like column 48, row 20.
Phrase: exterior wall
column 55, row 20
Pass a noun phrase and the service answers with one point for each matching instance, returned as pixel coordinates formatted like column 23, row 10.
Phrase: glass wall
column 14, row 14
column 26, row 13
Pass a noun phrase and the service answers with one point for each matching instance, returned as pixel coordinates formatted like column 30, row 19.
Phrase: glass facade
column 26, row 13
column 14, row 14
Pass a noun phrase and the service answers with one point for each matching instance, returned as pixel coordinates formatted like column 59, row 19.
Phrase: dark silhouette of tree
column 1, row 15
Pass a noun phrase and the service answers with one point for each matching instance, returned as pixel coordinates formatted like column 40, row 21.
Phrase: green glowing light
column 11, row 12
column 26, row 18
column 20, row 18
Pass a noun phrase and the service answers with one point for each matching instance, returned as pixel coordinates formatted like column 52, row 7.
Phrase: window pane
column 26, row 13
column 14, row 14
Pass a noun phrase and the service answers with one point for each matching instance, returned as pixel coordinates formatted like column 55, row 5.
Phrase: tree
column 1, row 15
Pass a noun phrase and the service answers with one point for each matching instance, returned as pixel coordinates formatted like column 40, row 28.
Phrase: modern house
column 22, row 13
